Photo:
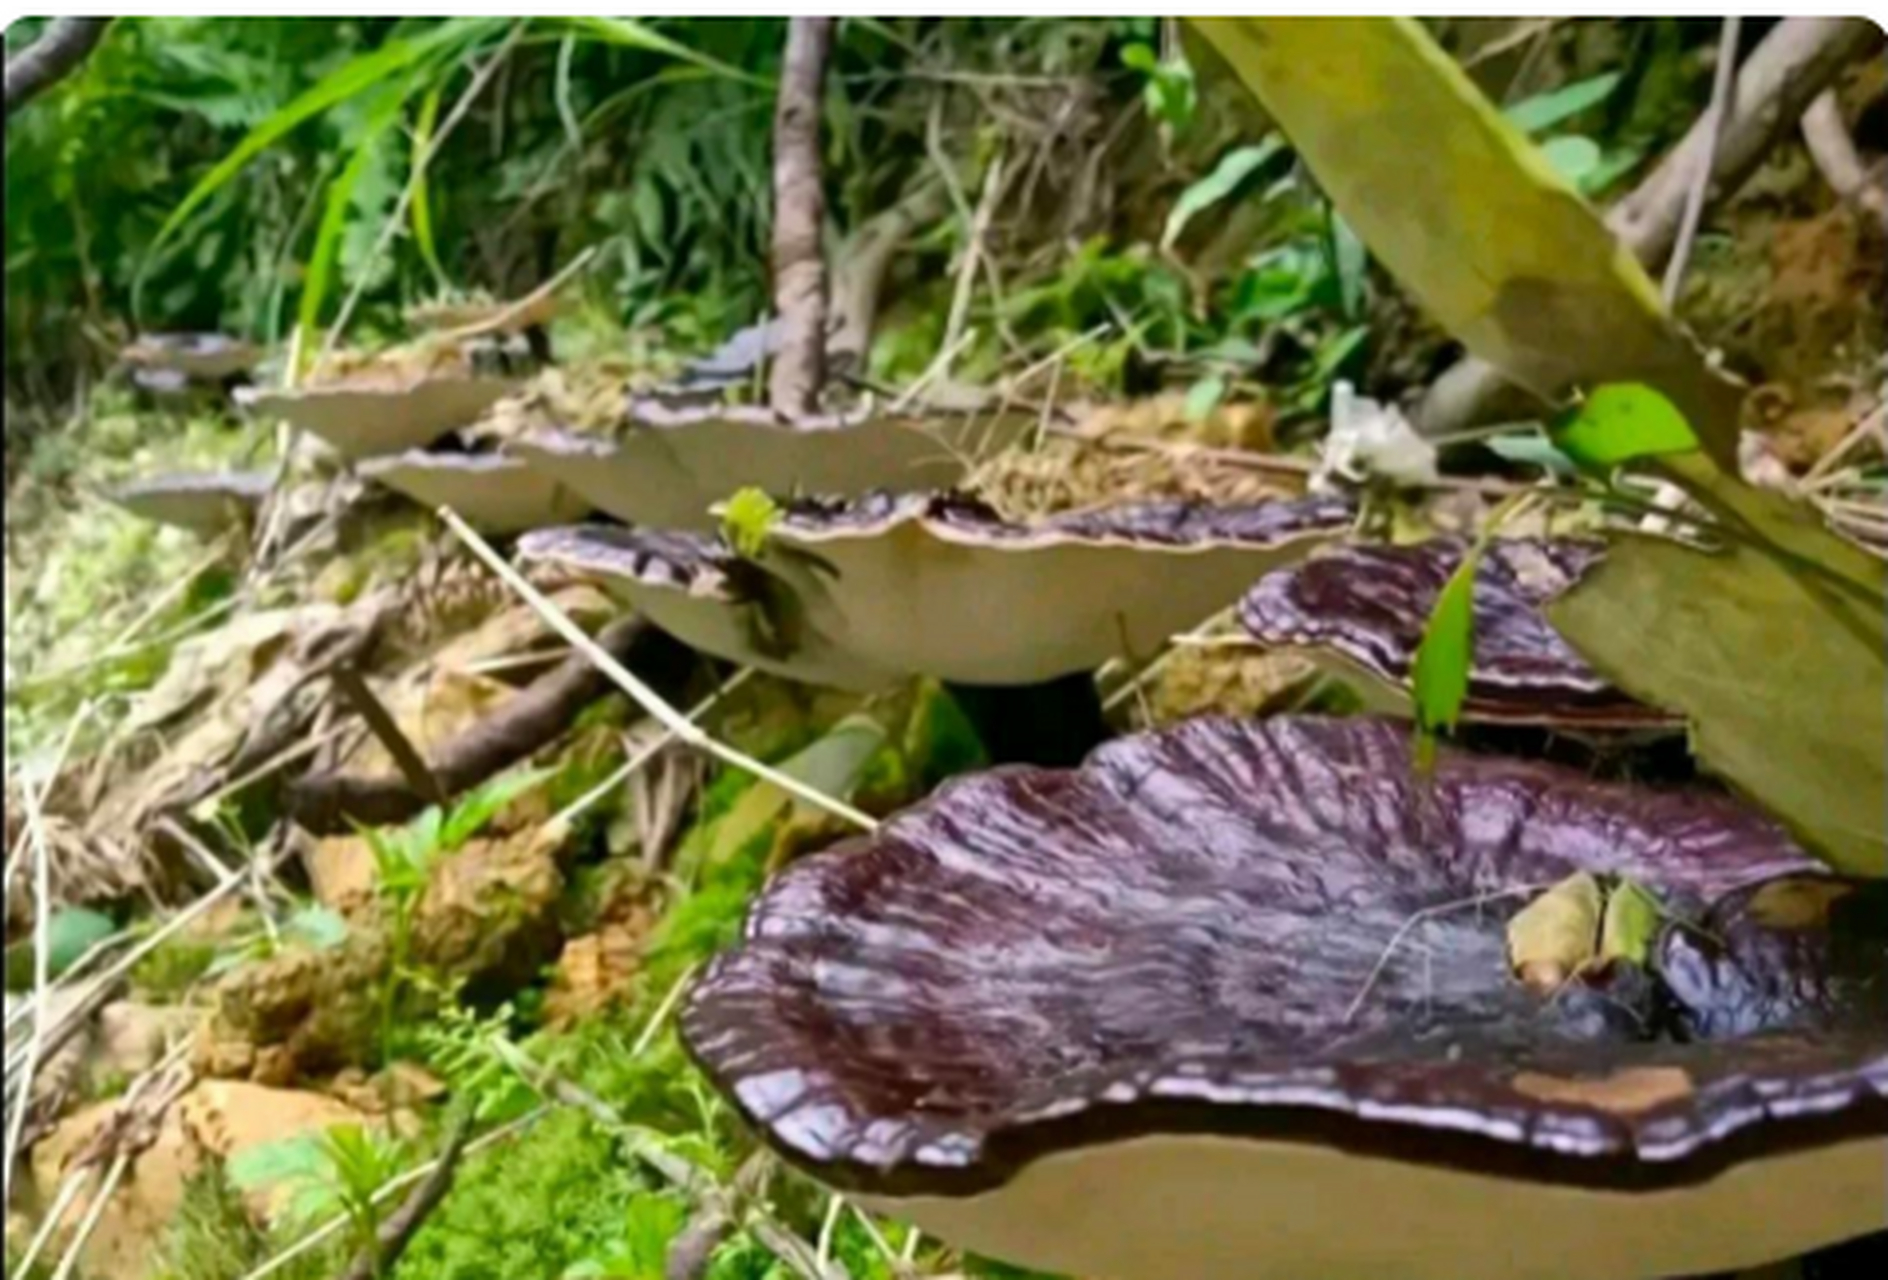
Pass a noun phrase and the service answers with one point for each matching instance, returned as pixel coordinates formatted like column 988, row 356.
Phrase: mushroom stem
column 1053, row 724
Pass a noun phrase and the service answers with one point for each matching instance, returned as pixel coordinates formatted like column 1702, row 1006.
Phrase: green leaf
column 1574, row 158
column 328, row 237
column 746, row 520
column 1621, row 422
column 1469, row 216
column 70, row 933
column 629, row 33
column 1631, row 925
column 1203, row 397
column 422, row 204
column 472, row 811
column 355, row 77
column 1545, row 110
column 1233, row 168
column 316, row 927
column 1440, row 675
column 1785, row 700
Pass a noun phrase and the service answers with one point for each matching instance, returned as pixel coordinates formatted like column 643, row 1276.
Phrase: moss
column 531, row 1207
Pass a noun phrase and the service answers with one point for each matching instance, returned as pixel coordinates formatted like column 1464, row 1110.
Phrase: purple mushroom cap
column 1368, row 605
column 1277, row 933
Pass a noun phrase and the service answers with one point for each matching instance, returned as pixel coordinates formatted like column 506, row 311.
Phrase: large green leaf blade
column 356, row 77
column 1467, row 214
column 1783, row 704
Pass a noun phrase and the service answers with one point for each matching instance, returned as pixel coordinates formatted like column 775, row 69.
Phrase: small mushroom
column 201, row 357
column 692, row 587
column 369, row 415
column 1234, row 999
column 941, row 585
column 204, row 502
column 1361, row 610
column 495, row 494
column 668, row 465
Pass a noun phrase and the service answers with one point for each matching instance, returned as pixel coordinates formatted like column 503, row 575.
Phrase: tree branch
column 1833, row 150
column 1775, row 85
column 325, row 802
column 399, row 1228
column 64, row 44
column 799, row 370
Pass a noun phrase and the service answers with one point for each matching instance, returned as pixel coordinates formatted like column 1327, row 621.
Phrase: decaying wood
column 61, row 47
column 1777, row 82
column 326, row 801
column 398, row 1230
column 799, row 266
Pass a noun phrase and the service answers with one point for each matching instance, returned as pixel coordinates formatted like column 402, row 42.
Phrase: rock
column 488, row 919
column 216, row 1119
column 132, row 1037
column 341, row 872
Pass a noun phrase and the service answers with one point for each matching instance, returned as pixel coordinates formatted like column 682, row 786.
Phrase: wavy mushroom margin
column 1170, row 940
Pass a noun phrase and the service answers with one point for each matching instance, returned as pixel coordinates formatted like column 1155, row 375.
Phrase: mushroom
column 939, row 584
column 495, row 494
column 668, row 465
column 1233, row 999
column 204, row 502
column 368, row 415
column 1361, row 610
column 200, row 357
column 698, row 591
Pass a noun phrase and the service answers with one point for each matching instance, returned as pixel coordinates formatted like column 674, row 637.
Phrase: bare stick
column 498, row 321
column 397, row 1231
column 61, row 1205
column 1833, row 150
column 93, row 1212
column 1421, row 917
column 65, row 43
column 36, row 1036
column 411, row 763
column 397, row 218
column 641, row 694
column 628, row 768
column 336, row 1224
column 1723, row 102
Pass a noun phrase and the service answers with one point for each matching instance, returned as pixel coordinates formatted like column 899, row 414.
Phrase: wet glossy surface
column 1370, row 604
column 1168, row 524
column 658, row 557
column 1186, row 935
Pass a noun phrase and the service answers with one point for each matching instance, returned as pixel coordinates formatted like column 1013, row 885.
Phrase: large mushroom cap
column 691, row 586
column 669, row 465
column 494, row 494
column 945, row 587
column 363, row 418
column 1362, row 610
column 207, row 357
column 1194, row 1008
column 205, row 502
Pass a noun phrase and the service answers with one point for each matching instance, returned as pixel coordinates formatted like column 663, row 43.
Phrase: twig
column 56, row 1214
column 61, row 47
column 347, row 678
column 93, row 1212
column 1723, row 103
column 624, row 771
column 397, row 218
column 42, row 977
column 1833, row 151
column 335, row 1225
column 397, row 1231
column 1421, row 917
column 645, row 697
column 1871, row 424
column 498, row 320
